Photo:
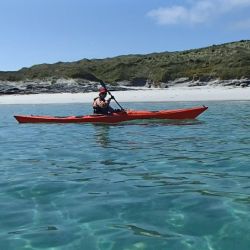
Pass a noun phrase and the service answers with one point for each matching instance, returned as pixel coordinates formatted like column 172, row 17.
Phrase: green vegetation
column 226, row 61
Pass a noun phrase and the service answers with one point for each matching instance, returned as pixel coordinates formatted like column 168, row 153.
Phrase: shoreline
column 173, row 94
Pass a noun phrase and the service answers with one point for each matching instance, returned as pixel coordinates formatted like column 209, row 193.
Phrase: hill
column 225, row 61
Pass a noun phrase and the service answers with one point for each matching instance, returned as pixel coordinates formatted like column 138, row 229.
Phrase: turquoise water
column 176, row 186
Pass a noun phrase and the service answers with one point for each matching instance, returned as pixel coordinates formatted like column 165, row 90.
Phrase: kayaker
column 100, row 104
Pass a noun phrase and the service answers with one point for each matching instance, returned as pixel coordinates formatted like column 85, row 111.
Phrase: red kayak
column 128, row 115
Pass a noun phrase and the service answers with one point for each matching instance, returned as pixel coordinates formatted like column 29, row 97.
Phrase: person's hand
column 111, row 97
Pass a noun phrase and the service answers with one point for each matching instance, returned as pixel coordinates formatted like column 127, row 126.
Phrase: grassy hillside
column 226, row 61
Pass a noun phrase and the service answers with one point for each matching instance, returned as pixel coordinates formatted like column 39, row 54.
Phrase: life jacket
column 99, row 110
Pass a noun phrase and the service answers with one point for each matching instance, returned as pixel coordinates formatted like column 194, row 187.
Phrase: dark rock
column 197, row 83
column 246, row 83
column 228, row 83
column 139, row 82
column 237, row 83
column 243, row 85
column 11, row 91
column 29, row 86
column 148, row 83
column 181, row 80
column 164, row 85
column 206, row 78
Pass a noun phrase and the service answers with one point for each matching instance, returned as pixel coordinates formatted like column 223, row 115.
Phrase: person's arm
column 95, row 105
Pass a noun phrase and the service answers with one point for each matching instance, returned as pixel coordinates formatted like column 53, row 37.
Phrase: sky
column 48, row 31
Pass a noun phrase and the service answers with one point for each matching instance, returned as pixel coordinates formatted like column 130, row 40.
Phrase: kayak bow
column 128, row 115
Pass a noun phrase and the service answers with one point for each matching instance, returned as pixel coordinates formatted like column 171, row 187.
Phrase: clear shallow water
column 175, row 186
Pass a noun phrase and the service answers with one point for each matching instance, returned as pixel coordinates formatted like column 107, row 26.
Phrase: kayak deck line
column 116, row 117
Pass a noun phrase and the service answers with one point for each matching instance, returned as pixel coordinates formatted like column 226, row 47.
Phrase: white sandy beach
column 206, row 93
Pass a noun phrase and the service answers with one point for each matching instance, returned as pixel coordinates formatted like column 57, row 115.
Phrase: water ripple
column 171, row 185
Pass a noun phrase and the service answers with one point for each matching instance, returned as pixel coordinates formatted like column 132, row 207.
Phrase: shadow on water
column 155, row 122
column 102, row 135
column 158, row 122
column 102, row 131
column 146, row 232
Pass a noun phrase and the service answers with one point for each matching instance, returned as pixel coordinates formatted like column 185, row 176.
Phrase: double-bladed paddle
column 104, row 86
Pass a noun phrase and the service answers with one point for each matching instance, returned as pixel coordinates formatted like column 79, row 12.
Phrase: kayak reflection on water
column 102, row 135
column 160, row 122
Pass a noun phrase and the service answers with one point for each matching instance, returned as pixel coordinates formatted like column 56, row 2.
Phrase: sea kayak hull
column 129, row 115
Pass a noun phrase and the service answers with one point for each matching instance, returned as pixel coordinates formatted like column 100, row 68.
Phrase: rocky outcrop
column 51, row 86
column 199, row 82
column 78, row 85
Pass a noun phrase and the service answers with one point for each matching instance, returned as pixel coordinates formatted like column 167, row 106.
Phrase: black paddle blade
column 102, row 84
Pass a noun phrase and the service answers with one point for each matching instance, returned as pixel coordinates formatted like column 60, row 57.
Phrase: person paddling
column 100, row 104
